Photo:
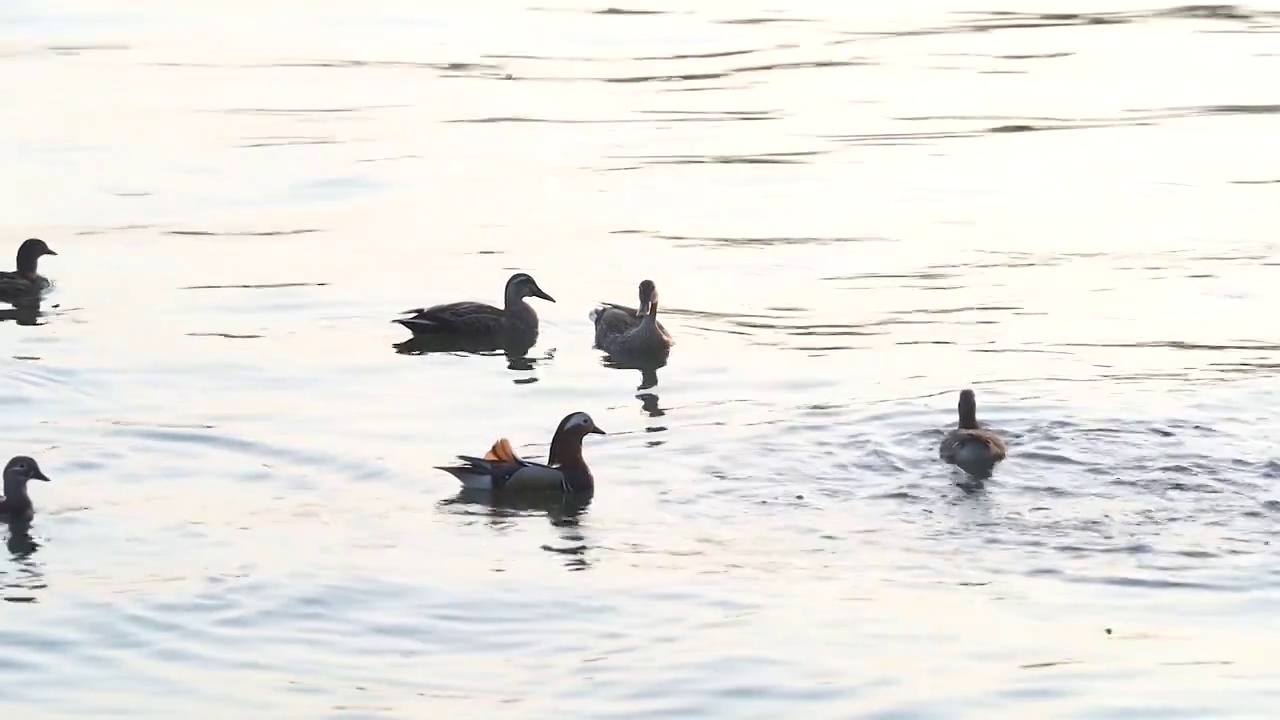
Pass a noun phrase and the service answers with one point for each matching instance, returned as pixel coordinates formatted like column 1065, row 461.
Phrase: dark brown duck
column 16, row 503
column 480, row 321
column 629, row 332
column 971, row 447
column 25, row 283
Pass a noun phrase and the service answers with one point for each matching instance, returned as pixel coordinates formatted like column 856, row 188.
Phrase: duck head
column 968, row 409
column 21, row 470
column 648, row 297
column 29, row 254
column 522, row 285
column 566, row 444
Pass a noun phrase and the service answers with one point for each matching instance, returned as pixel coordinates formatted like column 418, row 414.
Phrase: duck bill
column 595, row 430
column 49, row 251
column 644, row 308
column 539, row 293
column 37, row 475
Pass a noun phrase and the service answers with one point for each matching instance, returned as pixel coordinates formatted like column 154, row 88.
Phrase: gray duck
column 969, row 446
column 502, row 469
column 480, row 321
column 16, row 503
column 24, row 283
column 632, row 332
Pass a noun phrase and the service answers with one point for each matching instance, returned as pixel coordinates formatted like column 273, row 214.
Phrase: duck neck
column 517, row 307
column 651, row 317
column 27, row 261
column 512, row 296
column 566, row 450
column 15, row 492
column 566, row 453
column 649, row 320
column 968, row 417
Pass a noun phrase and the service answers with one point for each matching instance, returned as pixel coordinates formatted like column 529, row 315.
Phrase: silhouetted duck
column 480, row 321
column 502, row 469
column 16, row 503
column 25, row 283
column 970, row 447
column 632, row 332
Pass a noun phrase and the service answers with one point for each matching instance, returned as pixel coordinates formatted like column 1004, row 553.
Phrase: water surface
column 851, row 213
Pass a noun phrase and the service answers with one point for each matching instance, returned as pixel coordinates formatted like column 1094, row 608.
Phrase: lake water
column 852, row 211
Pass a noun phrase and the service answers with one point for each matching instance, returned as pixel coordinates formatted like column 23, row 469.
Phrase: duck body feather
column 515, row 322
column 974, row 450
column 613, row 320
column 473, row 319
column 644, row 339
column 502, row 469
column 16, row 289
column 16, row 508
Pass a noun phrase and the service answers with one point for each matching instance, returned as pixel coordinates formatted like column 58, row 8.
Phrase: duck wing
column 466, row 317
column 628, row 311
column 632, row 314
column 620, row 333
column 611, row 321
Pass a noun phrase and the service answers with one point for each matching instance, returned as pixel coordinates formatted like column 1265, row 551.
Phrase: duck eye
column 20, row 466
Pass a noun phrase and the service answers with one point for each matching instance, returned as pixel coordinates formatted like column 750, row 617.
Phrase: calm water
column 851, row 212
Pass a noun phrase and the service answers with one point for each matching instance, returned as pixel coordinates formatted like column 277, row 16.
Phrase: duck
column 502, row 469
column 16, row 503
column 478, row 321
column 974, row 449
column 25, row 284
column 632, row 332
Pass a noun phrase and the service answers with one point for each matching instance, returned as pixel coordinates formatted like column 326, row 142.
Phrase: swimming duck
column 25, row 283
column 970, row 447
column 478, row 320
column 502, row 469
column 632, row 332
column 16, row 503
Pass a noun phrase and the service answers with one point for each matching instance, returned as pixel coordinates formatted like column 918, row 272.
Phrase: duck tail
column 470, row 475
column 418, row 326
